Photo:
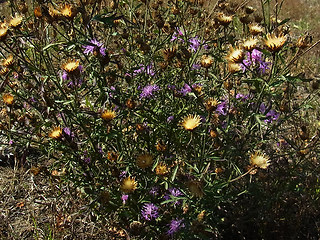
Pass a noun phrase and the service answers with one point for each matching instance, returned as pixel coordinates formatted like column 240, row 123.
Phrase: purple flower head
column 65, row 75
column 222, row 108
column 174, row 226
column 94, row 45
column 123, row 174
column 242, row 97
column 173, row 192
column 154, row 191
column 149, row 211
column 171, row 87
column 170, row 119
column 255, row 59
column 196, row 66
column 11, row 142
column 124, row 198
column 262, row 108
column 148, row 91
column 195, row 43
column 177, row 35
column 87, row 160
column 185, row 89
column 272, row 115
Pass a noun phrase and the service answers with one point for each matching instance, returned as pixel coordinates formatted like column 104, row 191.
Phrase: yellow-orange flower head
column 3, row 31
column 71, row 66
column 275, row 43
column 259, row 160
column 161, row 169
column 250, row 44
column 8, row 62
column 56, row 133
column 8, row 98
column 15, row 22
column 128, row 185
column 255, row 29
column 108, row 115
column 190, row 122
column 235, row 55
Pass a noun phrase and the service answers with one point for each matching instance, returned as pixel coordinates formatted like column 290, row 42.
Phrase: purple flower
column 174, row 226
column 170, row 119
column 123, row 174
column 185, row 89
column 173, row 192
column 255, row 59
column 94, row 45
column 144, row 69
column 222, row 108
column 262, row 108
column 87, row 160
column 67, row 131
column 242, row 97
column 149, row 211
column 10, row 142
column 272, row 115
column 195, row 43
column 148, row 91
column 124, row 198
column 196, row 66
column 177, row 34
column 154, row 191
column 65, row 75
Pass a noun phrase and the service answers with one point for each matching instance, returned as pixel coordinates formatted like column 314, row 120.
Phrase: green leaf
column 174, row 173
column 51, row 45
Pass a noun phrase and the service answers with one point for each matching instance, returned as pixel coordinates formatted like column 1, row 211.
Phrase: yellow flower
column 108, row 115
column 3, row 31
column 128, row 185
column 16, row 21
column 71, row 66
column 68, row 11
column 8, row 62
column 54, row 13
column 112, row 156
column 8, row 98
column 250, row 44
column 259, row 160
column 37, row 12
column 144, row 160
column 190, row 122
column 161, row 169
column 56, row 133
column 235, row 55
column 255, row 29
column 4, row 71
column 275, row 43
column 206, row 61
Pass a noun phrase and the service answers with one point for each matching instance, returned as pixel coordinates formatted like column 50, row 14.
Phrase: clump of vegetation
column 176, row 120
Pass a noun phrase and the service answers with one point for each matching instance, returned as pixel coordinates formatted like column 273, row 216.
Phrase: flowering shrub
column 177, row 120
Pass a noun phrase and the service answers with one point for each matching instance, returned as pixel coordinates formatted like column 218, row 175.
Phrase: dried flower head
column 8, row 98
column 108, row 115
column 16, row 21
column 3, row 31
column 169, row 53
column 56, row 133
column 206, row 61
column 234, row 67
column 250, row 44
column 235, row 55
column 211, row 104
column 275, row 43
column 190, row 122
column 304, row 41
column 54, row 13
column 255, row 29
column 259, row 160
column 161, row 169
column 160, row 146
column 195, row 188
column 144, row 160
column 128, row 185
column 224, row 19
column 71, row 66
column 8, row 62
